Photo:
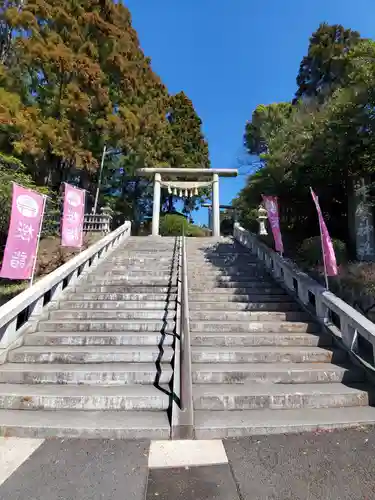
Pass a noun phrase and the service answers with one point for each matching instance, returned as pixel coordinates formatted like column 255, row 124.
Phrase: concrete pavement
column 337, row 465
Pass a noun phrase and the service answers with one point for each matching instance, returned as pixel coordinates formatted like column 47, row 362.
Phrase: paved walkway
column 337, row 465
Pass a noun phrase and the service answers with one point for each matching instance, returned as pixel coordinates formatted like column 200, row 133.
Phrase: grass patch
column 50, row 256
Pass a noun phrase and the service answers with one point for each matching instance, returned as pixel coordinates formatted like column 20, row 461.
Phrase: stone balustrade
column 17, row 313
column 356, row 332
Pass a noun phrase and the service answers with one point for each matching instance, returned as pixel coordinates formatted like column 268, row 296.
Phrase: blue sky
column 230, row 56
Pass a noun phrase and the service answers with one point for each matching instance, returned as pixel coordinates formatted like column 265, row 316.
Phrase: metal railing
column 182, row 409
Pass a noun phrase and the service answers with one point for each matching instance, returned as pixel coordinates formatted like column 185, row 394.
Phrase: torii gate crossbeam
column 197, row 178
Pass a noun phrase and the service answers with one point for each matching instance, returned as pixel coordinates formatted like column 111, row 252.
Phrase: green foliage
column 310, row 251
column 74, row 78
column 264, row 124
column 176, row 225
column 323, row 69
column 226, row 227
column 189, row 148
column 195, row 231
column 326, row 140
column 267, row 239
column 173, row 225
column 11, row 170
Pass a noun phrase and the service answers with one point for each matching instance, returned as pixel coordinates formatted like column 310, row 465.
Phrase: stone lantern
column 106, row 219
column 262, row 217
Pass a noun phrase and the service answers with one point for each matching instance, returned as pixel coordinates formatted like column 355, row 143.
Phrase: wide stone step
column 278, row 373
column 99, row 338
column 229, row 295
column 119, row 296
column 220, row 254
column 134, row 270
column 111, row 314
column 224, row 261
column 167, row 326
column 137, row 255
column 254, row 326
column 85, row 424
column 133, row 258
column 140, row 271
column 259, row 354
column 244, row 306
column 257, row 290
column 226, row 424
column 101, row 373
column 112, row 305
column 127, row 282
column 214, row 280
column 134, row 264
column 241, row 286
column 253, row 396
column 90, row 354
column 223, row 339
column 203, row 315
column 127, row 289
column 83, row 397
column 223, row 270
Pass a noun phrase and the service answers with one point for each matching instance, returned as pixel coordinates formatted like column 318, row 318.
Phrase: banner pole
column 37, row 241
column 322, row 246
column 324, row 256
column 83, row 220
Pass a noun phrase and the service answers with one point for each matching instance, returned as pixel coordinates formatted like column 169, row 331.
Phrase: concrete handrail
column 29, row 303
column 182, row 409
column 349, row 326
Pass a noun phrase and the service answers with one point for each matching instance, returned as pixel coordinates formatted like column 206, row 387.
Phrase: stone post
column 215, row 206
column 210, row 218
column 363, row 223
column 107, row 219
column 156, row 205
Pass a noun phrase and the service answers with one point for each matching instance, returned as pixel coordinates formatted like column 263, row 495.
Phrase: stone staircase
column 99, row 361
column 260, row 365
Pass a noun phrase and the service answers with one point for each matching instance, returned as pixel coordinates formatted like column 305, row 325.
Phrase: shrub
column 226, row 227
column 172, row 224
column 267, row 239
column 12, row 170
column 310, row 251
column 195, row 231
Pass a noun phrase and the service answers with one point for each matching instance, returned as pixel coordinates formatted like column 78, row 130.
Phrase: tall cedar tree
column 323, row 68
column 189, row 147
column 85, row 82
column 78, row 80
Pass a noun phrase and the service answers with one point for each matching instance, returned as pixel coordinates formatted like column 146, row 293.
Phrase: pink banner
column 329, row 256
column 23, row 236
column 74, row 212
column 270, row 203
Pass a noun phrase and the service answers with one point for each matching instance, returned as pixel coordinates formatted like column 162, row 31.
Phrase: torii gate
column 198, row 178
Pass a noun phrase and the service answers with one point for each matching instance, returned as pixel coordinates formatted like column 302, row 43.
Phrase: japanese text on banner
column 23, row 235
column 270, row 203
column 73, row 217
column 329, row 257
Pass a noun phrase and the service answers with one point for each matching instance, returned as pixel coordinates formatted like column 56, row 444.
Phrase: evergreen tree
column 323, row 68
